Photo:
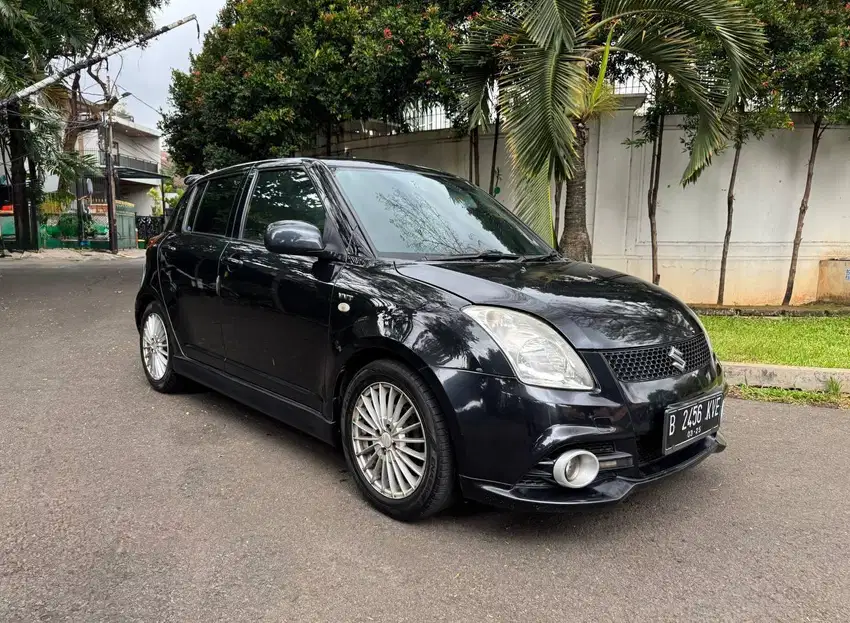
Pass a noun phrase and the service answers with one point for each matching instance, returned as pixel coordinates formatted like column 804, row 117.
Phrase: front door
column 189, row 263
column 278, row 306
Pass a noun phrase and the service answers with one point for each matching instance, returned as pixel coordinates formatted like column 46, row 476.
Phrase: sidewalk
column 69, row 255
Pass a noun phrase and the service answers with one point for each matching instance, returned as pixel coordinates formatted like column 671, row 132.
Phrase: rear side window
column 213, row 212
column 286, row 195
column 175, row 222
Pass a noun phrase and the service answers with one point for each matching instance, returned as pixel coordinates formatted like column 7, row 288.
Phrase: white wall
column 138, row 196
column 142, row 147
column 691, row 220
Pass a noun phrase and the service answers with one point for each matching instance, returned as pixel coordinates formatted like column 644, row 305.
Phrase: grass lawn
column 821, row 342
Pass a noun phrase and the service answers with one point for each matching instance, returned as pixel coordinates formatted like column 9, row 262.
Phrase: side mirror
column 294, row 238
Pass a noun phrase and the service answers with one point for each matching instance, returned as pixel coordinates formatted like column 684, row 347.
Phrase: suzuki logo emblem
column 678, row 359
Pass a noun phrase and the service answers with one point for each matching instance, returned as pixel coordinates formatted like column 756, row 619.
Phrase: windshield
column 414, row 215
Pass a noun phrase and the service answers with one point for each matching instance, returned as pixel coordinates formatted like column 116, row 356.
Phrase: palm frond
column 734, row 25
column 670, row 50
column 539, row 96
column 551, row 21
column 532, row 199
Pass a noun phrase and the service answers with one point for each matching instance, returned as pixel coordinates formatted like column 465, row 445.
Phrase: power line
column 133, row 95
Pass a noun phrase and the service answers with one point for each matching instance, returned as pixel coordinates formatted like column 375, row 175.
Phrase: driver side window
column 284, row 195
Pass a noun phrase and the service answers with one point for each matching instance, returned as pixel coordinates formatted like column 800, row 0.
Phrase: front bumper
column 607, row 489
column 506, row 434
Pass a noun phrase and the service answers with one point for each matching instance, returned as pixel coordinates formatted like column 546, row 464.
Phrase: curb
column 772, row 312
column 785, row 377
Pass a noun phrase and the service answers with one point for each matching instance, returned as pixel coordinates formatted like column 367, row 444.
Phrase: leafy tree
column 274, row 74
column 32, row 34
column 809, row 44
column 553, row 45
column 105, row 24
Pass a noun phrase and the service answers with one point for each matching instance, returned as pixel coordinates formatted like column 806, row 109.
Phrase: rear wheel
column 396, row 442
column 156, row 347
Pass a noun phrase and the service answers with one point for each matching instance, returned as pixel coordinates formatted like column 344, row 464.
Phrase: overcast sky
column 147, row 73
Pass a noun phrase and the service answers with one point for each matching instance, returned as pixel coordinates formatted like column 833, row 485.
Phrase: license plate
column 687, row 422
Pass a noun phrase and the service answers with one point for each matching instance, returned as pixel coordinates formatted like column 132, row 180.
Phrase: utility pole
column 106, row 133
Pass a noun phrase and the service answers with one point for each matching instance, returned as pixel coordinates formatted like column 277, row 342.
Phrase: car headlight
column 536, row 352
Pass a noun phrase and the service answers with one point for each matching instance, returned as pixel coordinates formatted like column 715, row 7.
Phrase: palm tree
column 597, row 100
column 549, row 46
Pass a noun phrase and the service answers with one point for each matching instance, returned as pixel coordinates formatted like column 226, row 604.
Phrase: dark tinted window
column 175, row 222
column 407, row 213
column 214, row 210
column 286, row 195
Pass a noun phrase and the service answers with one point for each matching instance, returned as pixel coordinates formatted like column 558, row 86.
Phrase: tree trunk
column 575, row 242
column 471, row 160
column 817, row 132
column 328, row 136
column 474, row 174
column 559, row 190
column 35, row 199
column 730, row 208
column 495, row 149
column 17, row 156
column 655, row 176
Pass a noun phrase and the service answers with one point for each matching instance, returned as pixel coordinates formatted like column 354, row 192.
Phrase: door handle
column 170, row 247
column 234, row 260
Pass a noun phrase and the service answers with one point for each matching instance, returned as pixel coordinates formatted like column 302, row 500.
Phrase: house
column 137, row 153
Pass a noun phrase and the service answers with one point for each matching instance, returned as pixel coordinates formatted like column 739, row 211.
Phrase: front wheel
column 157, row 348
column 396, row 442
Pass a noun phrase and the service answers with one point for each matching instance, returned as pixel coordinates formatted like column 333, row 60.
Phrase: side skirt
column 278, row 407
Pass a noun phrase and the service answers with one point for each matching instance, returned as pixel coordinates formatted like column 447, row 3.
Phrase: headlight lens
column 537, row 353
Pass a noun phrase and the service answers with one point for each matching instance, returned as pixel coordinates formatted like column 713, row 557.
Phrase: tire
column 166, row 380
column 435, row 488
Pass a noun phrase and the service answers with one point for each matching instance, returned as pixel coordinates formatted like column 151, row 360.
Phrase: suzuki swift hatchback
column 406, row 315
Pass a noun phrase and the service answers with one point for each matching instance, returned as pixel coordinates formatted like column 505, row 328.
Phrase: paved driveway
column 117, row 503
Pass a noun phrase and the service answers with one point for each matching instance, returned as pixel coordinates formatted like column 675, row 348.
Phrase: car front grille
column 634, row 365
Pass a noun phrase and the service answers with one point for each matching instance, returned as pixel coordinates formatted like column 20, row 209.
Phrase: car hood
column 595, row 308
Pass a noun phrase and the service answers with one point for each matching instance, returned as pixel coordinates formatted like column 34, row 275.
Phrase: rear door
column 278, row 306
column 189, row 265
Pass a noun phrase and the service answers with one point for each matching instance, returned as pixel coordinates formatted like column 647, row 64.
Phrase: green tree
column 555, row 43
column 32, row 34
column 275, row 74
column 104, row 24
column 35, row 35
column 809, row 44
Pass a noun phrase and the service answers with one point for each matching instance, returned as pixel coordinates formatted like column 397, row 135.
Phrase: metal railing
column 149, row 226
column 130, row 162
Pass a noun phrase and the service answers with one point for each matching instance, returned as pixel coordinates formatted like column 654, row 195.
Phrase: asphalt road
column 117, row 503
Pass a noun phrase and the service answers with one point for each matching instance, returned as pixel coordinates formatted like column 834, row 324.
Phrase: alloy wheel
column 388, row 440
column 155, row 346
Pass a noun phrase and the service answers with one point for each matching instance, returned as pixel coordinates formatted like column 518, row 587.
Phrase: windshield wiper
column 487, row 256
column 552, row 255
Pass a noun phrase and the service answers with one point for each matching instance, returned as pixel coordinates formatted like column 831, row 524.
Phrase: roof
column 331, row 162
column 131, row 128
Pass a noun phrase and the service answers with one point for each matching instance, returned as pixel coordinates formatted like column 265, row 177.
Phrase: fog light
column 576, row 469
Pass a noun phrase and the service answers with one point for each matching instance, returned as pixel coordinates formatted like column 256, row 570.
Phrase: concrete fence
column 691, row 220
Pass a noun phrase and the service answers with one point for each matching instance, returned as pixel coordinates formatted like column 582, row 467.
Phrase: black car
column 404, row 314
